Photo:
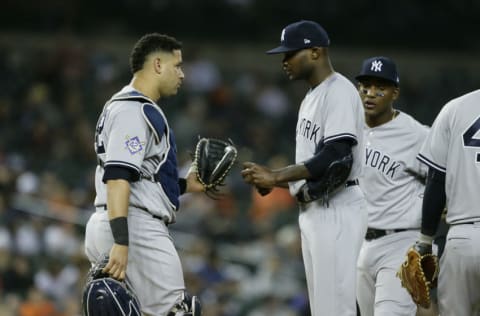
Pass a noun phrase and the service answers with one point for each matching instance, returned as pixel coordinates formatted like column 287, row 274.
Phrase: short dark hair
column 148, row 44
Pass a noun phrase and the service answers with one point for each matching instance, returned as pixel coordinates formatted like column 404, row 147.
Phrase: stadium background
column 60, row 61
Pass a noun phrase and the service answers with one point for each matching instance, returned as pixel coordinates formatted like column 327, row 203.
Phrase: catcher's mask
column 109, row 297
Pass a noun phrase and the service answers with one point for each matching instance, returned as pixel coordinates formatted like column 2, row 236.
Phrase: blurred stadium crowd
column 241, row 254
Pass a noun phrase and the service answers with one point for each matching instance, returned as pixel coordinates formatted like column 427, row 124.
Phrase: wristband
column 425, row 239
column 119, row 226
column 182, row 183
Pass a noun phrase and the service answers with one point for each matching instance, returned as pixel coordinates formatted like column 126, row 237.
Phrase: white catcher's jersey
column 453, row 147
column 135, row 134
column 390, row 178
column 330, row 111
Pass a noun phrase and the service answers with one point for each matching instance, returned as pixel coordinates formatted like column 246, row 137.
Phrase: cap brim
column 281, row 49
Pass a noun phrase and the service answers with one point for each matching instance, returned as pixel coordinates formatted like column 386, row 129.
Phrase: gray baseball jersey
column 390, row 177
column 332, row 110
column 331, row 234
column 133, row 132
column 453, row 147
column 394, row 194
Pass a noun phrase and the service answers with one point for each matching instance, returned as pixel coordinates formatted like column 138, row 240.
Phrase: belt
column 349, row 183
column 300, row 195
column 467, row 223
column 104, row 206
column 373, row 233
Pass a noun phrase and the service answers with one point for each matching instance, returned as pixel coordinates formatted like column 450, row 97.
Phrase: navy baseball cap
column 379, row 67
column 300, row 35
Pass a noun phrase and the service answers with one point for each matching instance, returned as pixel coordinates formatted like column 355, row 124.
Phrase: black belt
column 349, row 183
column 104, row 206
column 467, row 223
column 373, row 233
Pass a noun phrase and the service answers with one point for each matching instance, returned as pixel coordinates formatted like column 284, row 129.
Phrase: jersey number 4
column 468, row 137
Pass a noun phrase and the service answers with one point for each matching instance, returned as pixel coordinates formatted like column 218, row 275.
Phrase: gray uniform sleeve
column 413, row 164
column 340, row 121
column 435, row 149
column 127, row 134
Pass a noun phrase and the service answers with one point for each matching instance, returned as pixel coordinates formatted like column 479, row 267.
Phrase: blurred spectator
column 37, row 305
column 201, row 75
column 18, row 278
column 27, row 183
column 272, row 102
column 266, row 211
column 271, row 305
column 5, row 239
column 28, row 241
column 57, row 279
column 61, row 240
column 9, row 304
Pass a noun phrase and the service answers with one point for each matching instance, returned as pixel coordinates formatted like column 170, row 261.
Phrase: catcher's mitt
column 419, row 274
column 213, row 160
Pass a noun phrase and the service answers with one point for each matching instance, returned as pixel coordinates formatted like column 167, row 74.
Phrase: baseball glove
column 419, row 273
column 336, row 175
column 213, row 160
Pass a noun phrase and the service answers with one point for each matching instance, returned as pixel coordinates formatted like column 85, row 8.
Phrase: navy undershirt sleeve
column 120, row 172
column 328, row 153
column 434, row 200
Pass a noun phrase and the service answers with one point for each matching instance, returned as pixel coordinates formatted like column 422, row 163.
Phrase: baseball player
column 452, row 153
column 393, row 183
column 329, row 129
column 137, row 183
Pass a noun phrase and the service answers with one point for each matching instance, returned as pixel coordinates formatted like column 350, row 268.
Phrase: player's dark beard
column 304, row 73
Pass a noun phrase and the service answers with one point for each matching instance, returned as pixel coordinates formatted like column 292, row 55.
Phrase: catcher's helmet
column 109, row 297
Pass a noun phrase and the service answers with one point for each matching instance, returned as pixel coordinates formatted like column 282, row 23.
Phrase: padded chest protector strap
column 155, row 120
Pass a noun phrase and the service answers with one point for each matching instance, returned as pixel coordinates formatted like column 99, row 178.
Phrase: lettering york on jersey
column 308, row 129
column 382, row 162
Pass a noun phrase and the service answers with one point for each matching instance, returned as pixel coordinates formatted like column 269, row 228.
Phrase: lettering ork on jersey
column 382, row 162
column 308, row 130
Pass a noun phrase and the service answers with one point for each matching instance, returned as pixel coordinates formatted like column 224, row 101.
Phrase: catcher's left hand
column 419, row 273
column 213, row 160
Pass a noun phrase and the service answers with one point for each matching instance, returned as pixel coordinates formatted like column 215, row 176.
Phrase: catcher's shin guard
column 188, row 306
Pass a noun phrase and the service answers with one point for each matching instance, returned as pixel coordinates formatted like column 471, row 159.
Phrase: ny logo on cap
column 282, row 37
column 376, row 66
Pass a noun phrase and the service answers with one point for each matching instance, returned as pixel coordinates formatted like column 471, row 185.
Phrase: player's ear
column 396, row 93
column 157, row 64
column 315, row 52
column 359, row 85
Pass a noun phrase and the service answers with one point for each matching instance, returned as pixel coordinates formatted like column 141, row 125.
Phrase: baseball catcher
column 105, row 296
column 212, row 161
column 419, row 273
